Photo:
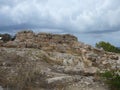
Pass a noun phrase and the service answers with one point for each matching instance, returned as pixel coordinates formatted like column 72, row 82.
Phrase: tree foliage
column 107, row 47
column 6, row 37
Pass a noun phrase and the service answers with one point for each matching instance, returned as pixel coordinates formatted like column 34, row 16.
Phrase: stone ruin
column 44, row 37
column 28, row 39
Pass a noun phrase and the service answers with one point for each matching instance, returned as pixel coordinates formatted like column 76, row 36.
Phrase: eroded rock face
column 53, row 62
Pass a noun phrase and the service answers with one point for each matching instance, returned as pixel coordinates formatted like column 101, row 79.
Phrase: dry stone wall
column 44, row 37
column 28, row 39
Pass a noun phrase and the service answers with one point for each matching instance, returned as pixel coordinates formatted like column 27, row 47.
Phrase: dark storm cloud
column 102, row 31
column 69, row 16
column 73, row 15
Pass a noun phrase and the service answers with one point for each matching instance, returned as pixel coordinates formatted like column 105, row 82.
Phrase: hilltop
column 46, row 61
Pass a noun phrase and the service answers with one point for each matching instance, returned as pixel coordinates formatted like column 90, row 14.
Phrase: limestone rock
column 53, row 62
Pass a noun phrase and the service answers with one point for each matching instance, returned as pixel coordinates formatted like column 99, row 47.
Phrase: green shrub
column 112, row 78
column 107, row 47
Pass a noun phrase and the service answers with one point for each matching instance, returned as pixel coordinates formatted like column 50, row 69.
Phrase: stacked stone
column 28, row 39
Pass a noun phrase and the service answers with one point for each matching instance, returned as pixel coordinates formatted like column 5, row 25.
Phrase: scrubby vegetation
column 6, row 37
column 112, row 78
column 107, row 47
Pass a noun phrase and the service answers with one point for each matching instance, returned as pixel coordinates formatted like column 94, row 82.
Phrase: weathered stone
column 90, row 70
column 1, row 42
column 114, row 57
column 11, row 44
column 24, row 35
column 53, row 62
column 42, row 40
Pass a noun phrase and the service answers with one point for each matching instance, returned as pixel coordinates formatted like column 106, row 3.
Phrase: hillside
column 47, row 61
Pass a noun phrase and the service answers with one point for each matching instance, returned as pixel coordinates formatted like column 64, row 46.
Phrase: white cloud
column 70, row 16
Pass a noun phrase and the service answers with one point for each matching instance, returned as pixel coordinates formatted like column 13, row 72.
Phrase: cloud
column 73, row 16
column 103, row 31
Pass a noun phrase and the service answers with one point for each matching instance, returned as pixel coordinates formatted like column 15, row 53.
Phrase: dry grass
column 18, row 72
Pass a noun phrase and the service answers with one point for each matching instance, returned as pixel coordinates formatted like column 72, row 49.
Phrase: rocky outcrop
column 29, row 39
column 53, row 62
column 36, row 68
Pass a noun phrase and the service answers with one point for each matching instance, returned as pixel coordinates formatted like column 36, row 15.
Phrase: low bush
column 108, row 47
column 112, row 78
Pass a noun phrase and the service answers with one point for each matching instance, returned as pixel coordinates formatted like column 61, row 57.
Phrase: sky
column 90, row 20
